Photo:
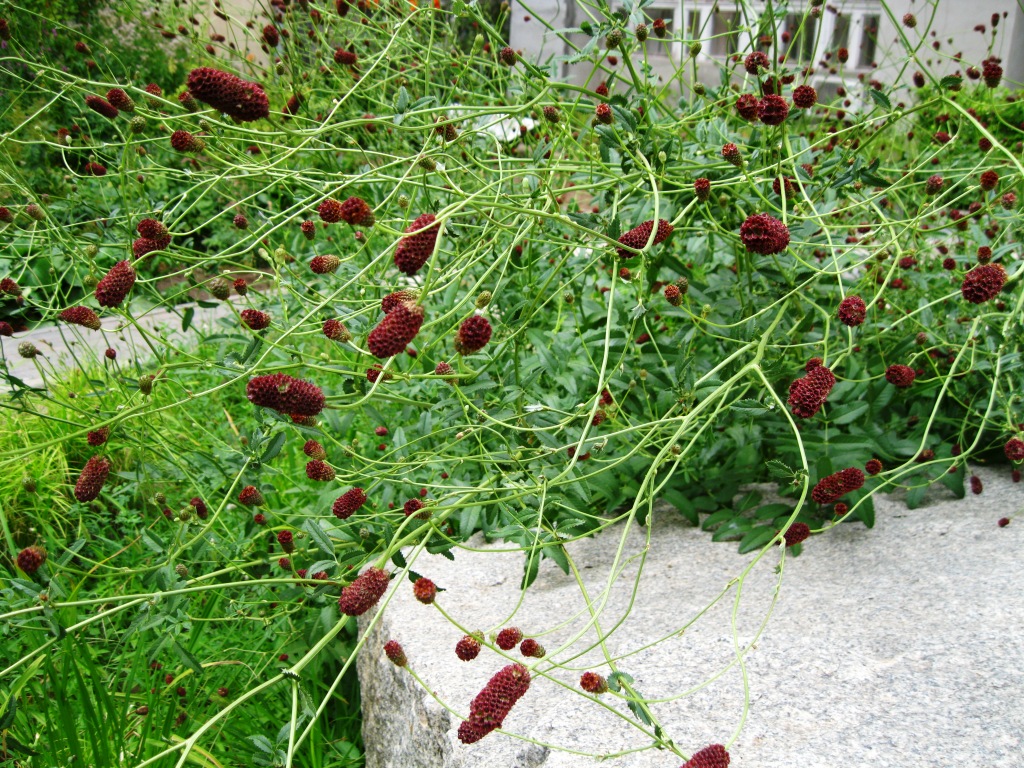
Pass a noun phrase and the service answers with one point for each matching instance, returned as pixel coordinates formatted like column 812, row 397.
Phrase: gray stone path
column 896, row 646
column 60, row 343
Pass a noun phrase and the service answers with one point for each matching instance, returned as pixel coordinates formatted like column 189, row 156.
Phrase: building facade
column 865, row 28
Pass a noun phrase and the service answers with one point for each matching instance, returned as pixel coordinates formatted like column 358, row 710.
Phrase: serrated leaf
column 779, row 470
column 273, row 447
column 402, row 100
column 613, row 680
column 640, row 713
column 319, row 537
column 530, row 569
column 262, row 743
column 880, row 98
column 950, row 81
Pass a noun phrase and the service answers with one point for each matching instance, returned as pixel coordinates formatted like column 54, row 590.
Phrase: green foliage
column 598, row 394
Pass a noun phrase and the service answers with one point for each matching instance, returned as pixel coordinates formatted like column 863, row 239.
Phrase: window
column 725, row 29
column 693, row 25
column 868, row 41
column 803, row 36
column 840, row 33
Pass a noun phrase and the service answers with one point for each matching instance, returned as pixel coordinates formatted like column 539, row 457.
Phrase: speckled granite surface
column 897, row 646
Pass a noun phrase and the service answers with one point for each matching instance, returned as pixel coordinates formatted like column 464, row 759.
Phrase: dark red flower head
column 101, row 106
column 114, row 287
column 830, row 489
column 320, row 471
column 531, row 649
column 183, row 141
column 756, row 60
column 324, row 265
column 81, row 316
column 702, row 188
column 251, row 497
column 285, row 539
column 335, row 330
column 31, row 559
column 347, row 504
column 804, row 97
column 591, row 682
column 393, row 650
column 773, row 109
column 285, row 394
column 1014, row 449
column 473, row 335
column 235, row 97
column 983, row 283
column 363, row 593
column 97, row 437
column 424, row 590
column 714, row 756
column 873, row 467
column 93, row 476
column 396, row 330
column 638, row 236
column 468, row 648
column 357, row 212
column 415, row 248
column 492, row 705
column 509, row 638
column 764, row 234
column 808, row 394
column 345, row 58
column 314, row 450
column 747, row 106
column 255, row 319
column 200, row 507
column 901, row 376
column 852, row 311
column 796, row 533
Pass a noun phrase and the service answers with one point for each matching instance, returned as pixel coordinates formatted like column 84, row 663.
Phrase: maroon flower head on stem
column 492, row 705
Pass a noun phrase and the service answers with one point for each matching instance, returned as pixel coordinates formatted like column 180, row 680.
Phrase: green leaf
column 186, row 321
column 262, row 743
column 273, row 447
column 402, row 100
column 7, row 718
column 951, row 82
column 880, row 98
column 779, row 470
column 718, row 518
column 640, row 712
column 756, row 538
column 319, row 537
column 915, row 496
column 750, row 407
column 74, row 549
column 614, row 677
column 530, row 569
column 187, row 658
column 557, row 553
column 251, row 350
column 848, row 413
column 954, row 481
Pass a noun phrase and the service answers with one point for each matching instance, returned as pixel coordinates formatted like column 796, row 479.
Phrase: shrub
column 452, row 313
